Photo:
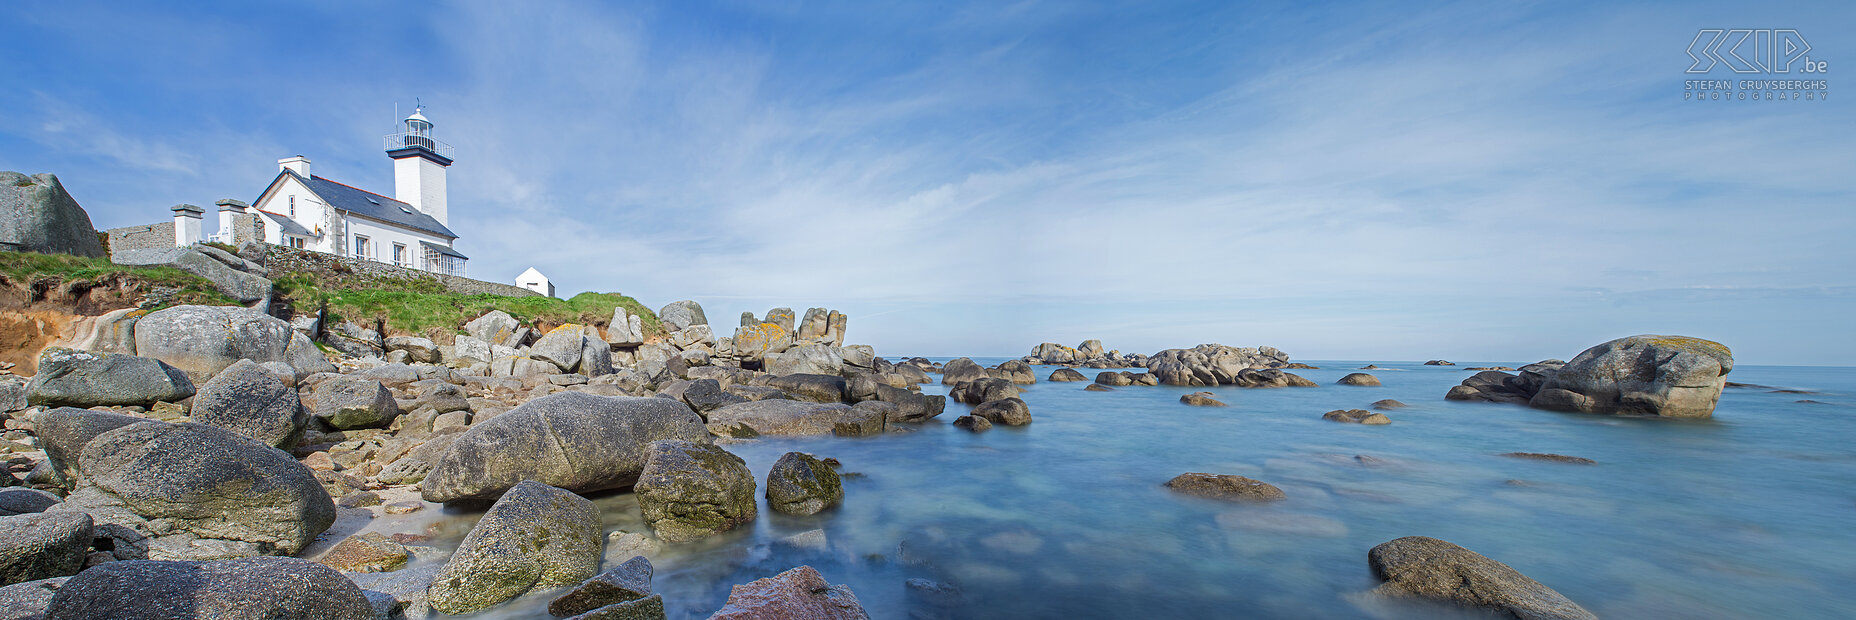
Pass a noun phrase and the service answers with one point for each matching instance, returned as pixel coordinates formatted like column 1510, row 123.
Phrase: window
column 293, row 207
column 296, row 242
column 399, row 254
column 360, row 246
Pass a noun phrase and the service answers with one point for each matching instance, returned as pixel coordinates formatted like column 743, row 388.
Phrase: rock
column 193, row 481
column 1007, row 411
column 70, row 378
column 983, row 390
column 595, row 355
column 561, row 347
column 835, row 324
column 1491, row 386
column 1225, row 487
column 371, row 552
column 816, row 323
column 350, row 402
column 579, row 442
column 973, row 423
column 1211, row 364
column 628, row 581
column 1090, row 349
column 800, row 484
column 1270, row 378
column 406, row 589
column 13, row 393
column 1067, row 374
column 302, row 355
column 38, row 215
column 692, row 337
column 43, row 545
column 1359, row 379
column 533, row 538
column 911, row 406
column 812, row 359
column 1201, row 399
column 961, row 370
column 1666, row 376
column 200, row 261
column 1388, row 404
column 1431, row 569
column 798, row 593
column 22, row 500
column 1439, row 363
column 63, row 432
column 864, row 419
column 1557, row 458
column 1114, row 378
column 1018, row 372
column 496, row 327
column 29, row 600
column 248, row 400
column 693, row 490
column 1097, row 387
column 678, row 315
column 202, row 340
column 1356, row 416
column 419, row 349
column 784, row 417
column 812, row 387
column 753, row 343
column 1053, row 353
column 471, row 349
column 273, row 588
column 625, row 329
column 705, row 395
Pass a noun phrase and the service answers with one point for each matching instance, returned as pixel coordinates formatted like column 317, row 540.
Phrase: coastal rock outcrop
column 800, row 484
column 70, row 378
column 1666, row 376
column 572, row 440
column 273, row 588
column 782, row 417
column 1425, row 568
column 693, row 490
column 38, row 215
column 1212, row 364
column 798, row 593
column 534, row 537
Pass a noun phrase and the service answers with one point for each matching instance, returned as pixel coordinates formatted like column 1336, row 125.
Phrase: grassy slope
column 423, row 306
column 29, row 269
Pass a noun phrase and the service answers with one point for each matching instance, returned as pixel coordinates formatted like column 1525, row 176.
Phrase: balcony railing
column 404, row 139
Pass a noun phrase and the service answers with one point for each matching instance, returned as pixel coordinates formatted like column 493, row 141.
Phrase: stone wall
column 282, row 260
column 144, row 237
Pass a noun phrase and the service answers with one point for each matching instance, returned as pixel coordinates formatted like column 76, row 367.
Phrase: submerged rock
column 798, row 593
column 274, row 588
column 1557, row 458
column 800, row 484
column 571, row 440
column 973, row 423
column 628, row 581
column 534, row 537
column 1430, row 569
column 1201, row 399
column 1388, row 404
column 1226, row 487
column 689, row 491
column 371, row 552
column 1356, row 416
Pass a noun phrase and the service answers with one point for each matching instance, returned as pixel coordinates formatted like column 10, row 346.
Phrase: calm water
column 1747, row 515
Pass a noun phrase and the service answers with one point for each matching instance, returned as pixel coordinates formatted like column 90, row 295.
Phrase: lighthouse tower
column 419, row 163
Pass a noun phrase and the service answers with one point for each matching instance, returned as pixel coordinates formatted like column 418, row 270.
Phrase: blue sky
column 1479, row 181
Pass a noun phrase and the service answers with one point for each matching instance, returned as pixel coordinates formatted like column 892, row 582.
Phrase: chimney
column 186, row 225
column 229, row 210
column 298, row 164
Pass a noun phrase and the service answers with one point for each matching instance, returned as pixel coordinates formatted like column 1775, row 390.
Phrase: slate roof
column 289, row 226
column 443, row 249
column 371, row 205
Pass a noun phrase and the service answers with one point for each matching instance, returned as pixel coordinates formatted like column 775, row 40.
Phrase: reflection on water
column 1743, row 516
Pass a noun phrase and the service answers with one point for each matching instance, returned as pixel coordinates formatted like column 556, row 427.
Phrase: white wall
column 310, row 212
column 381, row 237
column 420, row 182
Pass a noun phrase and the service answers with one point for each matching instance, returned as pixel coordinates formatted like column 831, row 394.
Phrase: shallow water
column 1746, row 515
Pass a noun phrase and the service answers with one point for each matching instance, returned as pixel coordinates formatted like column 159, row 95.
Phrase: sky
column 1359, row 181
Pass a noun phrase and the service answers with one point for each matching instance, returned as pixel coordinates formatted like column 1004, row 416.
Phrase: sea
column 1749, row 514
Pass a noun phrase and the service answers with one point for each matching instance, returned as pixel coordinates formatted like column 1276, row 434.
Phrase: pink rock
column 800, row 593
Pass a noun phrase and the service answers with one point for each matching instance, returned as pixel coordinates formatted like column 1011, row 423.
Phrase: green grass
column 48, row 271
column 424, row 307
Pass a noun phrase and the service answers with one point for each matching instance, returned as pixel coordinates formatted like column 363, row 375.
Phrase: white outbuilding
column 534, row 281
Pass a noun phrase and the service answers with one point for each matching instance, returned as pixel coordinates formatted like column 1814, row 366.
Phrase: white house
column 534, row 281
column 301, row 210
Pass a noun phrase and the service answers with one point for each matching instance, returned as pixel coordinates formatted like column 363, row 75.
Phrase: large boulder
column 38, row 215
column 1226, row 487
column 693, row 490
column 70, row 378
column 302, row 356
column 352, row 401
column 496, row 327
column 678, row 315
column 235, row 283
column 1053, row 353
column 1211, row 364
column 1417, row 567
column 800, row 484
column 911, row 406
column 576, row 441
column 625, row 329
column 959, row 370
column 42, row 545
column 202, row 340
column 983, row 390
column 28, row 600
column 248, row 400
column 272, row 588
column 199, row 490
column 812, row 387
column 1269, row 378
column 782, row 417
column 1067, row 374
column 798, row 593
column 1667, row 376
column 629, row 581
column 1007, row 411
column 534, row 537
column 561, row 346
column 63, row 433
column 755, row 342
column 812, row 359
column 417, row 349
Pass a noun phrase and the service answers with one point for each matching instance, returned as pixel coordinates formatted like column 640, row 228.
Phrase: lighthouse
column 419, row 163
